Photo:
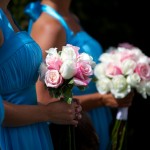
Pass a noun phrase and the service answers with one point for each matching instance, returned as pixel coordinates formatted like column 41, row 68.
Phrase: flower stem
column 122, row 134
column 118, row 134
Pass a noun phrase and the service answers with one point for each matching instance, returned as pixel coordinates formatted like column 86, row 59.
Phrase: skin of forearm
column 19, row 115
column 95, row 100
column 90, row 101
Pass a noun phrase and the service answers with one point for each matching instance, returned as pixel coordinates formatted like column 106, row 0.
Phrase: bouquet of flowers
column 121, row 70
column 62, row 70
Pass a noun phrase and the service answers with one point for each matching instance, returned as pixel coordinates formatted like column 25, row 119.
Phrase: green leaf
column 71, row 81
column 94, row 79
column 82, row 88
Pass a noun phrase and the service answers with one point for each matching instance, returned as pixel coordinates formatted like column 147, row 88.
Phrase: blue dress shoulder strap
column 5, row 26
column 34, row 10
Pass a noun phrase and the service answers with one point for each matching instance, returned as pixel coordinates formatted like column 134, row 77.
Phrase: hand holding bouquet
column 62, row 70
column 120, row 71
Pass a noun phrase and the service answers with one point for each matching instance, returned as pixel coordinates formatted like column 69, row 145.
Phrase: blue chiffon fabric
column 101, row 117
column 20, row 58
column 1, row 110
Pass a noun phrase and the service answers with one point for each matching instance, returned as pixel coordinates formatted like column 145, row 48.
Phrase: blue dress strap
column 34, row 10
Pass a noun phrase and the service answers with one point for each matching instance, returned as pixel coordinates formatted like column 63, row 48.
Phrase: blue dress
column 101, row 117
column 1, row 110
column 20, row 57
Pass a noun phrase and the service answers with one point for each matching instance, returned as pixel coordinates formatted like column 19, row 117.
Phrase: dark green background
column 112, row 22
column 109, row 21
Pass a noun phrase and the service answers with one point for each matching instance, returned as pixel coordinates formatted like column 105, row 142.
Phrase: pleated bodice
column 20, row 58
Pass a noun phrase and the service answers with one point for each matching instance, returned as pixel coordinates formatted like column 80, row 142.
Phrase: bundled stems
column 118, row 134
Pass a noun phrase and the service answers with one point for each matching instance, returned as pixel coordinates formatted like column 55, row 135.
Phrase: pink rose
column 113, row 70
column 53, row 62
column 81, row 82
column 143, row 70
column 53, row 79
column 127, row 54
column 84, row 69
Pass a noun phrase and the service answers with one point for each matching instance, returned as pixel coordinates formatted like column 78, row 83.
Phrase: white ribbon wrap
column 122, row 113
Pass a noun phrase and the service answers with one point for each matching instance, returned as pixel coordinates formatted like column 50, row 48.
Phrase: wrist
column 44, row 113
column 101, row 99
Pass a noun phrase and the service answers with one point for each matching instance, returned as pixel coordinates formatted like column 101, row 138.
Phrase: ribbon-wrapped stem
column 119, row 130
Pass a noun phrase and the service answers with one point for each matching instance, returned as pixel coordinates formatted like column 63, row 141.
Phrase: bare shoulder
column 48, row 25
column 48, row 32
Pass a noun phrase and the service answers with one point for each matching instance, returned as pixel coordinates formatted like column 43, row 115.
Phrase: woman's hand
column 62, row 113
column 111, row 101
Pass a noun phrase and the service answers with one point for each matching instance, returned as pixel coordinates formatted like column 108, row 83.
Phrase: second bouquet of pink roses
column 121, row 70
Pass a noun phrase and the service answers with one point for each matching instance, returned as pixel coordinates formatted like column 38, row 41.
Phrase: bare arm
column 95, row 100
column 57, row 112
column 17, row 115
column 47, row 33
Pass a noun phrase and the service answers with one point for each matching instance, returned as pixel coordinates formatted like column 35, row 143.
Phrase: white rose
column 68, row 53
column 87, row 58
column 137, row 53
column 143, row 59
column 99, row 70
column 133, row 79
column 128, row 66
column 141, row 88
column 68, row 69
column 103, row 85
column 108, row 58
column 120, row 88
column 148, row 88
column 52, row 51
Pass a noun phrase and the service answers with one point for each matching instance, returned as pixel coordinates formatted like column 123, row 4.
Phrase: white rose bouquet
column 64, row 69
column 121, row 70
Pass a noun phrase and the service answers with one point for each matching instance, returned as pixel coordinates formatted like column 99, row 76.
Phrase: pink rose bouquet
column 120, row 70
column 62, row 70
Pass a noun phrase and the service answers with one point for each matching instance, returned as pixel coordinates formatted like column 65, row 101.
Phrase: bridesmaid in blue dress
column 53, row 25
column 25, row 122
